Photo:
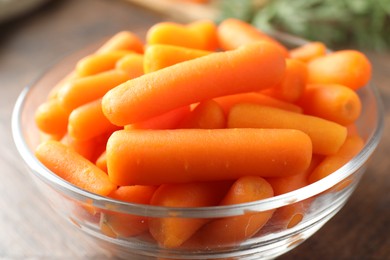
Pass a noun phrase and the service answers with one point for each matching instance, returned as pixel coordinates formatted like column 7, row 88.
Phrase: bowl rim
column 99, row 201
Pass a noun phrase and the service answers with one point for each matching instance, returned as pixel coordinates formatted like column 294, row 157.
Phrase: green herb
column 363, row 24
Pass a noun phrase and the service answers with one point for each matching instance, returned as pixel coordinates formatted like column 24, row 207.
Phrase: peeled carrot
column 327, row 137
column 123, row 40
column 101, row 161
column 200, row 79
column 333, row 102
column 233, row 33
column 159, row 56
column 308, row 51
column 83, row 90
column 230, row 231
column 206, row 115
column 127, row 225
column 174, row 231
column 88, row 121
column 286, row 184
column 46, row 137
column 52, row 118
column 348, row 67
column 132, row 64
column 227, row 102
column 197, row 35
column 74, row 168
column 98, row 62
column 187, row 155
column 89, row 148
column 54, row 91
column 169, row 120
column 352, row 146
column 293, row 84
column 290, row 215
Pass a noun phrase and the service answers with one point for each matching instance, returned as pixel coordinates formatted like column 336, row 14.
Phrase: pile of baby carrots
column 201, row 115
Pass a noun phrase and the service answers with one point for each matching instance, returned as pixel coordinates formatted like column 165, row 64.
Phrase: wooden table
column 28, row 229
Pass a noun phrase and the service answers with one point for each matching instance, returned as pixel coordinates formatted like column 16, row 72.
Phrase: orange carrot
column 124, row 40
column 192, row 81
column 352, row 146
column 83, row 90
column 186, row 155
column 46, row 137
column 101, row 161
column 174, row 231
column 88, row 121
column 290, row 215
column 333, row 102
column 159, row 56
column 54, row 91
column 326, row 136
column 348, row 67
column 308, row 51
column 206, row 115
column 74, row 168
column 52, row 118
column 197, row 35
column 90, row 148
column 169, row 120
column 127, row 225
column 132, row 64
column 227, row 102
column 293, row 84
column 283, row 185
column 230, row 231
column 98, row 62
column 233, row 33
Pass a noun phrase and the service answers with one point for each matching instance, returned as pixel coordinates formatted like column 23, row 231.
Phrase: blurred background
column 361, row 24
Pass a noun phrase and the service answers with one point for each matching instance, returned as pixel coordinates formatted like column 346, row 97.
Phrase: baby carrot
column 101, row 161
column 227, row 102
column 52, row 118
column 352, row 146
column 132, row 64
column 124, row 40
column 230, row 231
column 46, row 137
column 98, row 62
column 290, row 215
column 233, row 33
column 158, row 56
column 169, row 120
column 127, row 225
column 188, row 155
column 293, row 84
column 88, row 121
column 83, row 90
column 347, row 67
column 74, row 168
column 206, row 115
column 89, row 148
column 308, row 51
column 331, row 101
column 54, row 91
column 326, row 136
column 174, row 231
column 286, row 184
column 250, row 68
column 197, row 35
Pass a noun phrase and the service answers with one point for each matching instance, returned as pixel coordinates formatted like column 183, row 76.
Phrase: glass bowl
column 88, row 212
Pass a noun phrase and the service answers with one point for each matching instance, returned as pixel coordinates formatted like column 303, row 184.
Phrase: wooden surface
column 29, row 230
